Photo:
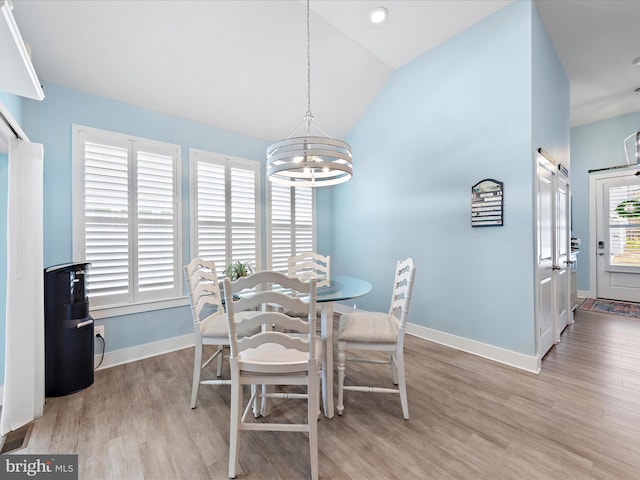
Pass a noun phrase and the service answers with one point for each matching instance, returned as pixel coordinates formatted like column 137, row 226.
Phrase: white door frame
column 593, row 232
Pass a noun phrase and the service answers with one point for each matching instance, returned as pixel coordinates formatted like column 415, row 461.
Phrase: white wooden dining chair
column 210, row 324
column 273, row 356
column 382, row 332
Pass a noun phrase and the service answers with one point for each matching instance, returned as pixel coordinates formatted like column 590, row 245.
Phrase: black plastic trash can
column 69, row 339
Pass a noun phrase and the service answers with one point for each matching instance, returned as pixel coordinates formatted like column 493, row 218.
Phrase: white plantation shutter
column 210, row 235
column 106, row 208
column 281, row 227
column 128, row 208
column 303, row 220
column 291, row 226
column 225, row 206
column 243, row 215
column 157, row 229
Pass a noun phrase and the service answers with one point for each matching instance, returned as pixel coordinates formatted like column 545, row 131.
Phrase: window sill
column 99, row 313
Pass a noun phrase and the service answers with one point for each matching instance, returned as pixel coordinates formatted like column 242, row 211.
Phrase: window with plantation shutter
column 225, row 209
column 624, row 226
column 291, row 224
column 126, row 217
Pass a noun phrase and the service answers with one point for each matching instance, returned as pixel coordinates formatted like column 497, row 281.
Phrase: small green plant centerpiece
column 238, row 269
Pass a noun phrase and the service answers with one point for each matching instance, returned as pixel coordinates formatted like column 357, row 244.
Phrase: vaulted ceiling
column 241, row 65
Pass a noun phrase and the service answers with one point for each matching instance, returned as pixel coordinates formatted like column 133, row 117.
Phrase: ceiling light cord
column 308, row 116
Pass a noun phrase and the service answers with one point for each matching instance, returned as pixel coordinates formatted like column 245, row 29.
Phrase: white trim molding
column 497, row 354
column 140, row 352
column 501, row 355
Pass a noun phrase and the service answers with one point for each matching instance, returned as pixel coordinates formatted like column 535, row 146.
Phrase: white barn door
column 552, row 254
column 545, row 241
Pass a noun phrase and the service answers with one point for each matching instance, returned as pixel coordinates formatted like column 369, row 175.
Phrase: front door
column 618, row 236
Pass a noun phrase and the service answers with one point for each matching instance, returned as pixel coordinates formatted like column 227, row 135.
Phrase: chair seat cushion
column 216, row 326
column 368, row 327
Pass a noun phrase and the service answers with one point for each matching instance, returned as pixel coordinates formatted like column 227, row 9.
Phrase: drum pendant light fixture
column 309, row 161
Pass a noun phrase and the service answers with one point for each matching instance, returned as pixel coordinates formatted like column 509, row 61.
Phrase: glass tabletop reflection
column 343, row 288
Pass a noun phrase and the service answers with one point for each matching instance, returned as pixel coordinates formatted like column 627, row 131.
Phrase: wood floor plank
column 471, row 418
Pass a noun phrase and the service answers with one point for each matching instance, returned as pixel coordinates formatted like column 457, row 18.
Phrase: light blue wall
column 457, row 115
column 551, row 106
column 14, row 105
column 594, row 146
column 50, row 122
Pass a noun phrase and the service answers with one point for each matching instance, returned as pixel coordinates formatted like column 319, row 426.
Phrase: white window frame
column 135, row 301
column 295, row 247
column 228, row 163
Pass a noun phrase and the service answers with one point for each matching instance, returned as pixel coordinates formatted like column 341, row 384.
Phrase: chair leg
column 341, row 370
column 319, row 387
column 256, row 400
column 393, row 361
column 197, row 370
column 312, row 417
column 234, row 428
column 402, row 384
column 265, row 404
column 220, row 359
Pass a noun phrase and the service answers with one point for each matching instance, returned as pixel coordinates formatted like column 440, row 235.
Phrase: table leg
column 326, row 329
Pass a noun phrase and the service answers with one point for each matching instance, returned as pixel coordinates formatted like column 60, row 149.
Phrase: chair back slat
column 282, row 298
column 271, row 318
column 402, row 289
column 279, row 338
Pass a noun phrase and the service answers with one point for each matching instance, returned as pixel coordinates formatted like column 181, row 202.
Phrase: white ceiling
column 241, row 65
column 597, row 41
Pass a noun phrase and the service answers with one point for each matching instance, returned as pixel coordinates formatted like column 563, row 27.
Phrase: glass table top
column 343, row 288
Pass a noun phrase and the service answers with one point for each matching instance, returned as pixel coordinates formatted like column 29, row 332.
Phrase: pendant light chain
column 308, row 116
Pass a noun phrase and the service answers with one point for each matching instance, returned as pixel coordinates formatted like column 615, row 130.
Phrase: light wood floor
column 470, row 419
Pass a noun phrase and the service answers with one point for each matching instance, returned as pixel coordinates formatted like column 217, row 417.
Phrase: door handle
column 600, row 253
column 569, row 262
column 555, row 267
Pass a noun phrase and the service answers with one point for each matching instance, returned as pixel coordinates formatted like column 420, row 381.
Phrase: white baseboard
column 139, row 352
column 491, row 352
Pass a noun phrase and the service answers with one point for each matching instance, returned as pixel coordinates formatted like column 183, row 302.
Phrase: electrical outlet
column 98, row 330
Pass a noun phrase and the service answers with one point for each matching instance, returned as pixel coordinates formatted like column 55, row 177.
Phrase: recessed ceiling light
column 378, row 15
column 636, row 61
